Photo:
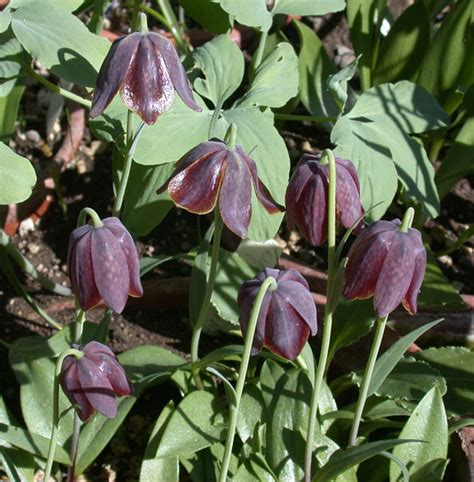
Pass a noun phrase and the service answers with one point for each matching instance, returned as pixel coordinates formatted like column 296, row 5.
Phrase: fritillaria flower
column 307, row 194
column 287, row 316
column 92, row 382
column 103, row 265
column 146, row 69
column 388, row 264
column 213, row 173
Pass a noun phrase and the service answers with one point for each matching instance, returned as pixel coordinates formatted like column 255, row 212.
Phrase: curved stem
column 299, row 118
column 54, row 433
column 131, row 146
column 381, row 323
column 59, row 90
column 269, row 283
column 218, row 225
column 81, row 219
column 407, row 220
column 327, row 156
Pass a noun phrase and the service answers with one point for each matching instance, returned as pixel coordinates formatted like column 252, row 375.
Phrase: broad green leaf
column 32, row 442
column 222, row 64
column 18, row 464
column 10, row 51
column 456, row 365
column 389, row 359
column 196, row 423
column 153, row 469
column 343, row 460
column 410, row 380
column 360, row 15
column 143, row 209
column 314, row 70
column 447, row 53
column 307, row 7
column 276, row 79
column 175, row 133
column 209, row 14
column 377, row 408
column 253, row 13
column 9, row 106
column 69, row 5
column 5, row 19
column 144, row 365
column 377, row 129
column 17, row 176
column 110, row 125
column 60, row 42
column 406, row 43
column 351, row 321
column 436, row 290
column 428, row 423
column 232, row 271
column 260, row 139
column 337, row 84
column 251, row 412
column 260, row 254
column 287, row 396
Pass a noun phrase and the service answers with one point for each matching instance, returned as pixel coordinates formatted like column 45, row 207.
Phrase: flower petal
column 347, row 196
column 235, row 195
column 129, row 249
column 196, row 188
column 285, row 331
column 409, row 301
column 81, row 272
column 96, row 388
column 110, row 269
column 113, row 71
column 396, row 275
column 175, row 69
column 147, row 88
column 301, row 176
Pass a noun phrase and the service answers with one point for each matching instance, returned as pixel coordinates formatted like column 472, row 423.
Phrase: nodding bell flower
column 388, row 263
column 146, row 69
column 214, row 173
column 103, row 265
column 92, row 382
column 307, row 195
column 288, row 314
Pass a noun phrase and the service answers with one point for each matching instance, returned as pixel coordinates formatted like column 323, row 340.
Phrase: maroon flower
column 287, row 316
column 92, row 381
column 212, row 172
column 388, row 264
column 103, row 265
column 147, row 70
column 307, row 194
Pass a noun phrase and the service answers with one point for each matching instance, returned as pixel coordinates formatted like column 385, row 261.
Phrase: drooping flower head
column 215, row 173
column 307, row 195
column 387, row 263
column 92, row 382
column 146, row 69
column 287, row 316
column 103, row 265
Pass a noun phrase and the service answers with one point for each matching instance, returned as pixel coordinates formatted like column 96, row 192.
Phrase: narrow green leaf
column 9, row 106
column 386, row 363
column 10, row 53
column 406, row 43
column 428, row 422
column 209, row 14
column 307, row 7
column 69, row 5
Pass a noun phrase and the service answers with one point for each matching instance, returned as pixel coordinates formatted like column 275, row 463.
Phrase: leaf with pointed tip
column 307, row 7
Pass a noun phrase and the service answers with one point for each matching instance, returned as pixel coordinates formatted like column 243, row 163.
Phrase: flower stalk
column 327, row 157
column 269, row 283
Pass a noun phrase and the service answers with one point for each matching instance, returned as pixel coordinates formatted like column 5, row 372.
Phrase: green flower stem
column 326, row 157
column 142, row 24
column 172, row 21
column 302, row 118
column 96, row 221
column 153, row 13
column 28, row 268
column 260, row 49
column 59, row 90
column 231, row 136
column 132, row 142
column 97, row 20
column 369, row 369
column 206, row 302
column 54, row 433
column 407, row 220
column 269, row 283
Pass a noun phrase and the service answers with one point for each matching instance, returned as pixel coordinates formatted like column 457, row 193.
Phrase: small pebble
column 33, row 136
column 33, row 248
column 446, row 260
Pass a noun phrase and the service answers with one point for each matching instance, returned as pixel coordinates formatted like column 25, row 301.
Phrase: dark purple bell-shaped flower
column 388, row 264
column 214, row 173
column 287, row 316
column 307, row 194
column 92, row 382
column 103, row 265
column 146, row 69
